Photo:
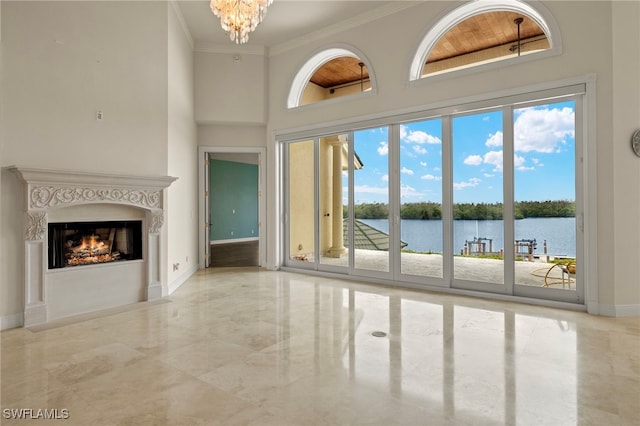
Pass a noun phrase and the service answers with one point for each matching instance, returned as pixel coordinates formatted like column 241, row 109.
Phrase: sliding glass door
column 483, row 199
column 301, row 209
column 478, row 198
column 371, row 225
column 545, row 208
column 421, row 214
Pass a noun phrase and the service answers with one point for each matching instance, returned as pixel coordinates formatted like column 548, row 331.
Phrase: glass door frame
column 286, row 196
column 506, row 287
column 395, row 204
column 393, row 239
column 506, row 103
column 316, row 265
column 560, row 294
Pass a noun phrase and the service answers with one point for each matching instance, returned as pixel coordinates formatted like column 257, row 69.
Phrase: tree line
column 468, row 211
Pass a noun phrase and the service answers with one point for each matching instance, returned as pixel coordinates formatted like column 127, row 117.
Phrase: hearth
column 89, row 243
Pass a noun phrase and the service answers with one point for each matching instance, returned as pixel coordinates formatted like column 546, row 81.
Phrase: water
column 426, row 235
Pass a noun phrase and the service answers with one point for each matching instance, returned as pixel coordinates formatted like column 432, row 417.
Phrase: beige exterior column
column 337, row 247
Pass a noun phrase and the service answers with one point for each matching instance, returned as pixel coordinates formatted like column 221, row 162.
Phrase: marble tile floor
column 245, row 346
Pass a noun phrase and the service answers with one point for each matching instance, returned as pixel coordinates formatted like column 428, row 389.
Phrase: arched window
column 329, row 74
column 484, row 33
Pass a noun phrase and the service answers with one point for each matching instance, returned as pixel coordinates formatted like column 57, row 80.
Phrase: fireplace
column 88, row 243
column 92, row 241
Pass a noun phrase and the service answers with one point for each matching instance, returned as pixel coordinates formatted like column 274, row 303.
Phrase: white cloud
column 408, row 191
column 543, row 130
column 405, row 151
column 518, row 164
column 473, row 160
column 423, row 163
column 407, row 171
column 471, row 183
column 536, row 162
column 430, row 177
column 494, row 158
column 366, row 189
column 420, row 150
column 383, row 149
column 418, row 136
column 494, row 139
column 385, row 178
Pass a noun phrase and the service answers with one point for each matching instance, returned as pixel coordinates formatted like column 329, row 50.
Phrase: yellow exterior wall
column 301, row 202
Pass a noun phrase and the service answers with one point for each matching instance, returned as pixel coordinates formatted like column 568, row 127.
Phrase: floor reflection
column 248, row 346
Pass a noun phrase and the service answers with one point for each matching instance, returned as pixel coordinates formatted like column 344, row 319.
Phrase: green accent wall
column 233, row 194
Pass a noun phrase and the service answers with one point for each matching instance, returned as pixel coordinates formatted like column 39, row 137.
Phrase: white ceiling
column 286, row 20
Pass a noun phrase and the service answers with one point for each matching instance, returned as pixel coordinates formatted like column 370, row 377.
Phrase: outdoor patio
column 466, row 267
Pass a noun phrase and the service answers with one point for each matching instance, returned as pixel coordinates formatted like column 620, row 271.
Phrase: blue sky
column 544, row 138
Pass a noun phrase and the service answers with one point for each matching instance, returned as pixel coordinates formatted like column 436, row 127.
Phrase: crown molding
column 231, row 49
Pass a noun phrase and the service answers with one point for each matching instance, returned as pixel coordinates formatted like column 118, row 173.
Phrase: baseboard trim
column 173, row 286
column 235, row 240
column 619, row 311
column 11, row 321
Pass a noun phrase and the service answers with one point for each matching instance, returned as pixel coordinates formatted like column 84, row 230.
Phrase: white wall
column 231, row 88
column 589, row 33
column 62, row 61
column 182, row 209
column 626, row 166
column 231, row 136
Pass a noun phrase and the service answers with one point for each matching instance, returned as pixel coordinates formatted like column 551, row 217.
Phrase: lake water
column 426, row 235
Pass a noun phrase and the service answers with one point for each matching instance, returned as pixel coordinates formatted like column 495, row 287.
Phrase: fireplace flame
column 91, row 250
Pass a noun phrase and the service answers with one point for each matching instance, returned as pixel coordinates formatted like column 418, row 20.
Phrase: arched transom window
column 329, row 74
column 483, row 33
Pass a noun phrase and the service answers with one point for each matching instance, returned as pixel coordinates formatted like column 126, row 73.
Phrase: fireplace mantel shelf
column 55, row 188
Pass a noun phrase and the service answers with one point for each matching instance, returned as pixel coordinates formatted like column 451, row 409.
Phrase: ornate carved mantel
column 51, row 189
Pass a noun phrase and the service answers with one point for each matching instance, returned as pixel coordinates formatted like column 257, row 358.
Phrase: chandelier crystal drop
column 239, row 17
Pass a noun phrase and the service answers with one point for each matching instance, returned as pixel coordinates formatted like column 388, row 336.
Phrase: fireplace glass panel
column 88, row 243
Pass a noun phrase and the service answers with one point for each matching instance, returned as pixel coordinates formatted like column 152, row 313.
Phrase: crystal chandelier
column 239, row 17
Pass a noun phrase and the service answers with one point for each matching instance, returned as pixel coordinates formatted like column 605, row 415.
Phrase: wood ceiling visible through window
column 482, row 32
column 339, row 71
column 476, row 34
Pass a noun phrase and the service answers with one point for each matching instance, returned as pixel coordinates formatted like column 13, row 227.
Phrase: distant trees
column 370, row 211
column 421, row 211
column 468, row 211
column 561, row 208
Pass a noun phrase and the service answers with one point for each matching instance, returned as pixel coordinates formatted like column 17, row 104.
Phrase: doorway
column 231, row 208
